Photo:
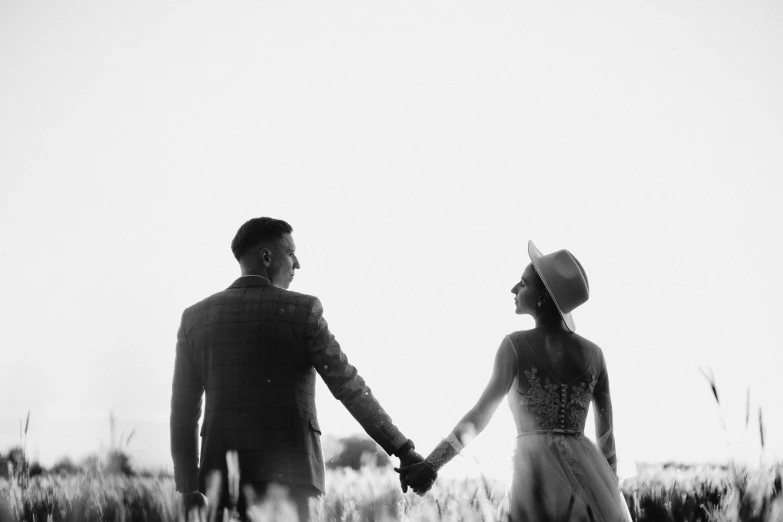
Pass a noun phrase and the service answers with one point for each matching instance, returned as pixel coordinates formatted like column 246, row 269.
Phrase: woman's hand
column 420, row 477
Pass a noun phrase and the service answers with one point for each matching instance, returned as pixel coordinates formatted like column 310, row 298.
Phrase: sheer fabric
column 559, row 474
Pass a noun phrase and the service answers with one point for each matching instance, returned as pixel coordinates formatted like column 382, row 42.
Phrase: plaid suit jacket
column 253, row 350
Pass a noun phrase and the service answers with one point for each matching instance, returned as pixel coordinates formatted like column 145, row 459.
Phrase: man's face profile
column 283, row 261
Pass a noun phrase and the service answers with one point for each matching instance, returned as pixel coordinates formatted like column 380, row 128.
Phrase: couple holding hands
column 254, row 350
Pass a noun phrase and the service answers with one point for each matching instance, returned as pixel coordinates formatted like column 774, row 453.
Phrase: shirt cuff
column 405, row 448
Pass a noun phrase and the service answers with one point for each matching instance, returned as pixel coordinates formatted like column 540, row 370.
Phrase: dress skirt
column 563, row 477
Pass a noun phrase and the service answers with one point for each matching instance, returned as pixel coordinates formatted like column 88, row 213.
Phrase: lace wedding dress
column 559, row 474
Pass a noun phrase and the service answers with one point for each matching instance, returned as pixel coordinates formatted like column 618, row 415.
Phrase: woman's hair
column 549, row 305
column 255, row 230
column 537, row 281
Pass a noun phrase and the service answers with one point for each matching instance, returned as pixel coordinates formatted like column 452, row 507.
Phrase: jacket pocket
column 314, row 425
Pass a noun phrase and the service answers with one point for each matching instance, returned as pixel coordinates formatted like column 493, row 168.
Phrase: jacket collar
column 250, row 280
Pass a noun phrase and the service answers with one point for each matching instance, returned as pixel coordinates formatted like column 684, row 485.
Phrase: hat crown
column 564, row 278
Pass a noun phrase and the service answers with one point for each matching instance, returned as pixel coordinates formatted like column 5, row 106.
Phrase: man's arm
column 347, row 386
column 186, row 396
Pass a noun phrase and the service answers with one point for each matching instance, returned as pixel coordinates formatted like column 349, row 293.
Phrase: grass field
column 373, row 494
column 108, row 491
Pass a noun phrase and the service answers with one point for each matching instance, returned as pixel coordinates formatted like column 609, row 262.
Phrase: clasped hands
column 415, row 473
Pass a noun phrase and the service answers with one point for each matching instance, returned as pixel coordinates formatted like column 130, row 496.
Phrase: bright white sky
column 415, row 148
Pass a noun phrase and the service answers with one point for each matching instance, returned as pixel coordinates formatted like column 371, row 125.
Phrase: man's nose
column 296, row 263
column 514, row 289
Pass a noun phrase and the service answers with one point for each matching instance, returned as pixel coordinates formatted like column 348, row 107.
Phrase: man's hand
column 419, row 476
column 410, row 462
column 408, row 458
column 195, row 506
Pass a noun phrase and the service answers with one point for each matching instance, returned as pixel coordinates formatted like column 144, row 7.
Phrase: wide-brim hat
column 564, row 279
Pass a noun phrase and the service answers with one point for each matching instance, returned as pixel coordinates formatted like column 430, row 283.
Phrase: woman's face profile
column 526, row 294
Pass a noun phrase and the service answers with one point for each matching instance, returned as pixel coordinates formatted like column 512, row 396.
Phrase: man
column 254, row 349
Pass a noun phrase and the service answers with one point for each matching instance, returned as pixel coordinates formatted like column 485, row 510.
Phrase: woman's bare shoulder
column 584, row 340
column 589, row 345
column 520, row 335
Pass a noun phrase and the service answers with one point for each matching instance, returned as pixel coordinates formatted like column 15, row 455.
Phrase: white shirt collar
column 255, row 275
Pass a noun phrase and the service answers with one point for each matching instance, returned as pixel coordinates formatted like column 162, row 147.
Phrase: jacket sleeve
column 186, row 396
column 345, row 383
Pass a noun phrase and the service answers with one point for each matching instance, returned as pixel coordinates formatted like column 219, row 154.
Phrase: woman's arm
column 503, row 373
column 602, row 407
column 473, row 423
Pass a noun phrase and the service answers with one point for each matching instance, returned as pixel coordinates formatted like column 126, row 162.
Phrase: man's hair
column 255, row 230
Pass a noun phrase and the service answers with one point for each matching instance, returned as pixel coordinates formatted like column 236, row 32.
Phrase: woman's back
column 557, row 374
column 566, row 355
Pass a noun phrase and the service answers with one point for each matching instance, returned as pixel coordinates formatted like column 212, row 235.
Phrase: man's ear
column 266, row 256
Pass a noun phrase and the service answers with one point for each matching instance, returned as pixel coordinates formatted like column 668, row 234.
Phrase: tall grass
column 373, row 494
column 667, row 493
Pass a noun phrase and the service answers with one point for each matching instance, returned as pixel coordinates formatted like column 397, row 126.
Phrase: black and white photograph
column 366, row 261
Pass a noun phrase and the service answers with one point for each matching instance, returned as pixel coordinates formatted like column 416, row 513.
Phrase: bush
column 13, row 463
column 36, row 469
column 64, row 467
column 358, row 451
column 118, row 463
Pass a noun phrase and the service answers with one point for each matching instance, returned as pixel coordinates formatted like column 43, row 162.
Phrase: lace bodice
column 539, row 401
column 557, row 406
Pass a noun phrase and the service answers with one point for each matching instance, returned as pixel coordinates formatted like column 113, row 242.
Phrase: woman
column 550, row 375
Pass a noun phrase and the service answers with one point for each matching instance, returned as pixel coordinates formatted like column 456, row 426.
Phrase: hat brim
column 535, row 257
